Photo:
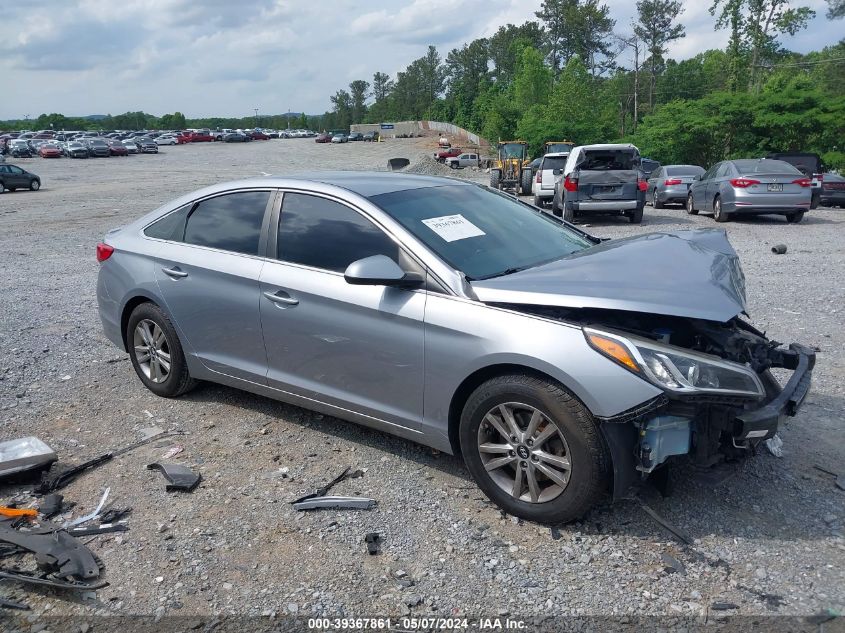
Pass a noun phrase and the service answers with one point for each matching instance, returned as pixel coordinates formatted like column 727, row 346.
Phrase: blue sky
column 218, row 57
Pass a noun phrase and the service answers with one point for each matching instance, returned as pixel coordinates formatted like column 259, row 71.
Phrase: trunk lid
column 614, row 184
column 693, row 274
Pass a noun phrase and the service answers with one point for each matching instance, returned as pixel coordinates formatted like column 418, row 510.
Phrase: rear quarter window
column 170, row 227
column 231, row 222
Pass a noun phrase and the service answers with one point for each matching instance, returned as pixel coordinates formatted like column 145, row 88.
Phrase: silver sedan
column 454, row 315
column 751, row 187
column 670, row 184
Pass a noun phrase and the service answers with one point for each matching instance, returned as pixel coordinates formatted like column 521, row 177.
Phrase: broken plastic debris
column 26, row 453
column 172, row 452
column 775, row 445
column 180, row 477
column 91, row 516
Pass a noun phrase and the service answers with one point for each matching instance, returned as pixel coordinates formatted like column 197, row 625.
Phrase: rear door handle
column 281, row 299
column 175, row 273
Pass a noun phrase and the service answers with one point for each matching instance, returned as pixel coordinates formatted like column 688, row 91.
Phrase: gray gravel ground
column 770, row 540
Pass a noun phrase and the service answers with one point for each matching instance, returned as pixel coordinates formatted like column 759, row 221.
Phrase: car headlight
column 675, row 369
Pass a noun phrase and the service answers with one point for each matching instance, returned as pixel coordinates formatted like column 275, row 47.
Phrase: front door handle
column 175, row 273
column 281, row 299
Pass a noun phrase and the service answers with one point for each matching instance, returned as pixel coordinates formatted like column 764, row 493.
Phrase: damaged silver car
column 456, row 316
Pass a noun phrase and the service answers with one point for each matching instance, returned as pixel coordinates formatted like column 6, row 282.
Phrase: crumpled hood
column 692, row 274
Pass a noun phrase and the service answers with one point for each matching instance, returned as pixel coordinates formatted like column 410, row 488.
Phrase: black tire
column 795, row 218
column 589, row 462
column 655, row 201
column 453, row 165
column 2, row 187
column 525, row 182
column 718, row 214
column 496, row 179
column 178, row 381
column 538, row 202
column 568, row 212
column 636, row 216
column 691, row 210
column 34, row 185
column 12, row 188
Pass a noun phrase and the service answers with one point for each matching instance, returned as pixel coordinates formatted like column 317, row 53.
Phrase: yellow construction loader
column 510, row 169
column 554, row 147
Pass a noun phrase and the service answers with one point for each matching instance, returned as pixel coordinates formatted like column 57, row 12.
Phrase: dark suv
column 98, row 147
column 13, row 177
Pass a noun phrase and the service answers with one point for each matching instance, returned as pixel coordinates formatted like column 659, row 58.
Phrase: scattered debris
column 11, row 604
column 51, row 504
column 779, row 249
column 672, row 564
column 26, row 453
column 181, row 478
column 56, row 551
column 16, row 513
column 839, row 480
column 63, row 479
column 723, row 606
column 775, row 445
column 102, row 528
column 93, row 515
column 112, row 515
column 555, row 534
column 373, row 541
column 679, row 534
column 344, row 503
column 172, row 452
column 32, row 579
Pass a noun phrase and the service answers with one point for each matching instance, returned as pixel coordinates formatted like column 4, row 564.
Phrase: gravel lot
column 770, row 540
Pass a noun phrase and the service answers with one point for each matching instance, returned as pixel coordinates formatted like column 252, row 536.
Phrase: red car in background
column 117, row 148
column 323, row 138
column 259, row 136
column 202, row 136
column 452, row 152
column 183, row 137
column 49, row 150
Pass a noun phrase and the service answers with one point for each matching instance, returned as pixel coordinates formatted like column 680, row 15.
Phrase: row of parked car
column 613, row 179
column 344, row 137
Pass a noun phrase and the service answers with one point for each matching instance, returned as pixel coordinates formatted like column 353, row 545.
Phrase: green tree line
column 574, row 73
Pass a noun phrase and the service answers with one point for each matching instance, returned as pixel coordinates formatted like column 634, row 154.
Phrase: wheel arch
column 482, row 375
column 128, row 308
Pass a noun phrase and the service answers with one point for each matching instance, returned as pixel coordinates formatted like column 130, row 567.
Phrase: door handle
column 281, row 300
column 175, row 273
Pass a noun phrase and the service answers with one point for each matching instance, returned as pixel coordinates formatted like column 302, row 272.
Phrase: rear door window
column 230, row 222
column 322, row 233
column 554, row 162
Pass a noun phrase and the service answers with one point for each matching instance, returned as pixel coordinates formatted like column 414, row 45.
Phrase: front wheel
column 156, row 353
column 533, row 449
column 795, row 218
column 691, row 210
column 34, row 185
column 496, row 179
column 525, row 182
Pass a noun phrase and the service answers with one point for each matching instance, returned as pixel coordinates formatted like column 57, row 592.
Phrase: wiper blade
column 508, row 271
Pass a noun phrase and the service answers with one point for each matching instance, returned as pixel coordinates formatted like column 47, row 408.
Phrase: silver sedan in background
column 456, row 316
column 751, row 187
column 670, row 184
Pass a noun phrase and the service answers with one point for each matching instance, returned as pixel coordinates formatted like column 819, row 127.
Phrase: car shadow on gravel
column 764, row 496
column 650, row 220
column 768, row 219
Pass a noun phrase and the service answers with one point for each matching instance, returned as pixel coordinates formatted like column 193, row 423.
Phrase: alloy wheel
column 524, row 452
column 152, row 350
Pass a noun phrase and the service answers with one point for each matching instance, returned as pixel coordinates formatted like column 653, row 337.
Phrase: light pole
column 256, row 116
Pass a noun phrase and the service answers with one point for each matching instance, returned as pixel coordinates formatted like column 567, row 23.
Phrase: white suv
column 550, row 168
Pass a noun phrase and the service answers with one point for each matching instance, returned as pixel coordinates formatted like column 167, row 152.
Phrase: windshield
column 554, row 162
column 553, row 148
column 513, row 150
column 479, row 232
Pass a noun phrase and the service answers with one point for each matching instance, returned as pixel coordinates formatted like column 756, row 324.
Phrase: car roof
column 618, row 146
column 556, row 155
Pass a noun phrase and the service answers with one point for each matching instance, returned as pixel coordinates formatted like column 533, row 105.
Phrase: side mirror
column 380, row 270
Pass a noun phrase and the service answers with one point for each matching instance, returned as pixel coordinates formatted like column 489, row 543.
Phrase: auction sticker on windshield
column 453, row 227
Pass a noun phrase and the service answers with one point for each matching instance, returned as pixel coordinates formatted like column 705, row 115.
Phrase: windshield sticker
column 453, row 227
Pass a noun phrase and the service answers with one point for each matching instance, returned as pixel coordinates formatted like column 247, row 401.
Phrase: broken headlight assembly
column 675, row 369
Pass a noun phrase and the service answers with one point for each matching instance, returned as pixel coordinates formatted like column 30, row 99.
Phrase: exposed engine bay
column 709, row 428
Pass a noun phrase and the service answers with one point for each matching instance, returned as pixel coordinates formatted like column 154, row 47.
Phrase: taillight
column 803, row 182
column 742, row 183
column 570, row 184
column 643, row 185
column 104, row 251
column 539, row 177
column 672, row 181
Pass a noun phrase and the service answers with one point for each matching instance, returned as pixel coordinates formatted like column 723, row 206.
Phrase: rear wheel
column 538, row 202
column 34, row 185
column 568, row 212
column 156, row 352
column 655, row 201
column 636, row 216
column 718, row 213
column 533, row 449
column 496, row 179
column 691, row 206
column 795, row 218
